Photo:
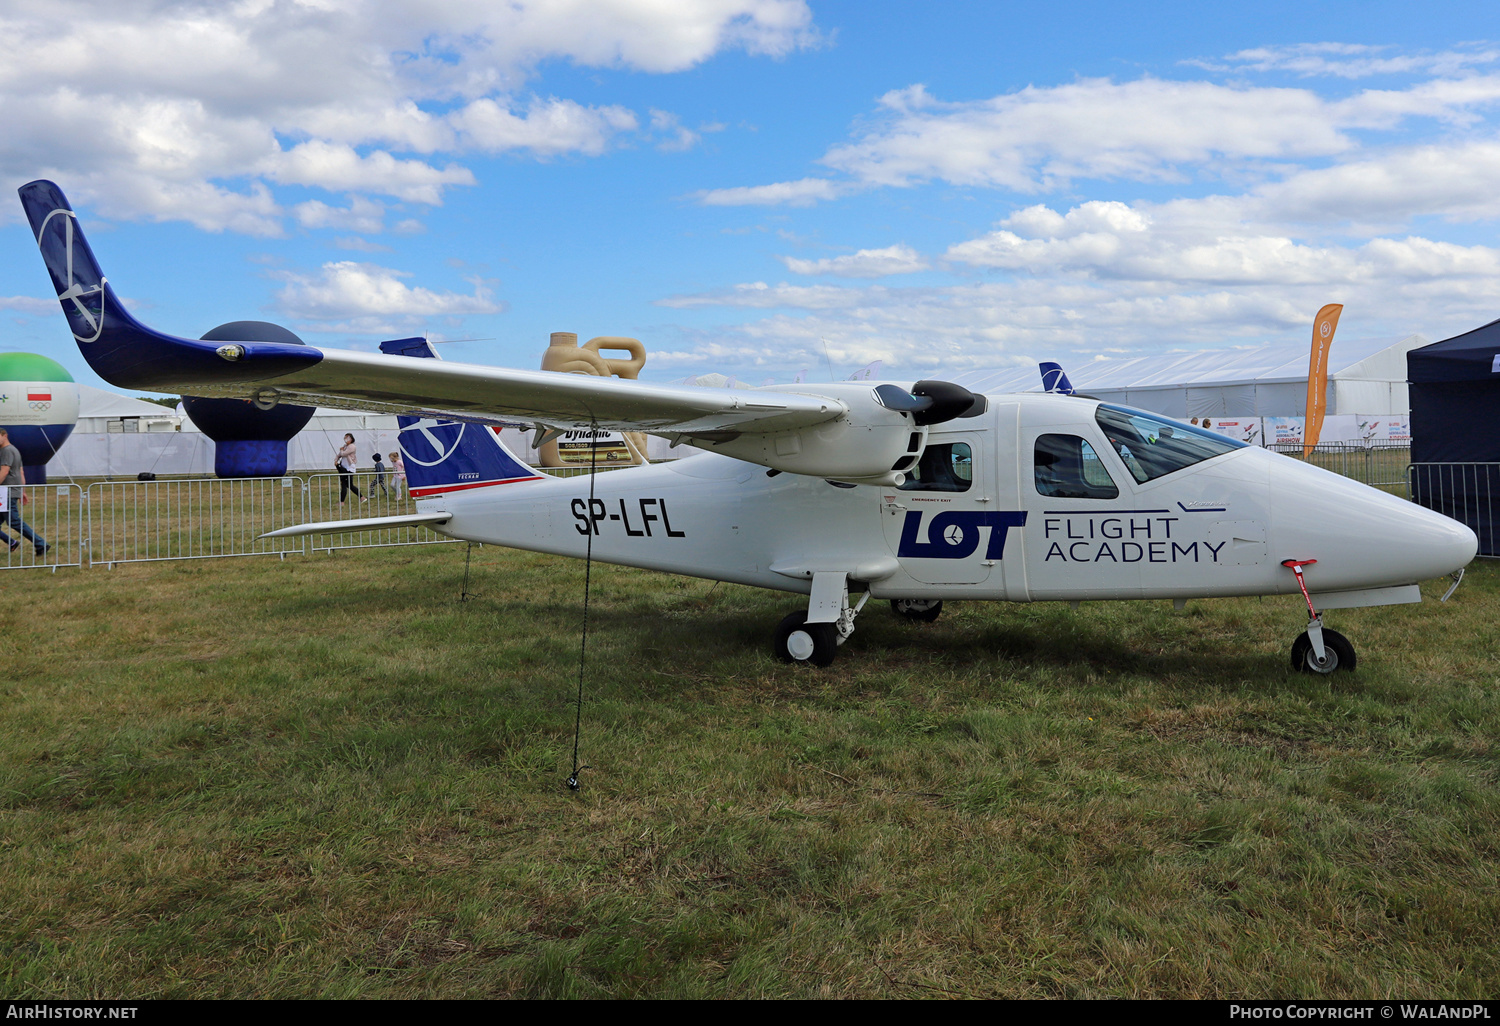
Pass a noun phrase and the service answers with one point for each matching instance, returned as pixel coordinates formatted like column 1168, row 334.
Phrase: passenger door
column 943, row 523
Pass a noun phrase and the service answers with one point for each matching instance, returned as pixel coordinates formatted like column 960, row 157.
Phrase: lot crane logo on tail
column 83, row 301
column 450, row 456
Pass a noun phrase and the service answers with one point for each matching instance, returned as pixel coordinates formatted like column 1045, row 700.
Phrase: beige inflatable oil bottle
column 580, row 448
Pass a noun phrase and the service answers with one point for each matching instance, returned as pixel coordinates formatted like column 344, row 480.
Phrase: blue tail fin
column 123, row 351
column 1053, row 378
column 445, row 456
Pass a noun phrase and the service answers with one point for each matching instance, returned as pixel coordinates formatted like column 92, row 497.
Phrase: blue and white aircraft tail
column 1054, row 379
column 444, row 456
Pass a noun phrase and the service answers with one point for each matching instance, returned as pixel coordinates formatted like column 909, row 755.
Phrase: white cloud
column 361, row 215
column 759, row 295
column 1451, row 180
column 1042, row 139
column 1112, row 240
column 1287, row 199
column 678, row 136
column 917, row 331
column 349, row 291
column 867, row 263
column 126, row 105
column 28, row 305
column 1350, row 60
column 1145, row 130
column 339, row 168
column 201, row 204
column 801, row 193
column 1107, row 276
column 360, row 245
column 549, row 127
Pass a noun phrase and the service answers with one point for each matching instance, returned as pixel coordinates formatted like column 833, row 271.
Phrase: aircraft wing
column 399, row 385
column 131, row 355
column 867, row 433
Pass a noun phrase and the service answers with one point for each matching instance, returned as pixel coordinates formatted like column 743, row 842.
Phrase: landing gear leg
column 814, row 636
column 1318, row 650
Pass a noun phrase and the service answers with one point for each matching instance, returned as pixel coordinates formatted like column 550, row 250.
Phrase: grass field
column 329, row 777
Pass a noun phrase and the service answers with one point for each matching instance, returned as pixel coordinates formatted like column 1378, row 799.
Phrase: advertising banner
column 1283, row 430
column 1317, row 373
column 1377, row 429
column 1243, row 429
column 582, row 448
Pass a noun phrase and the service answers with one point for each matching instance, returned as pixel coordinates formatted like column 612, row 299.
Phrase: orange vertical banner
column 1324, row 326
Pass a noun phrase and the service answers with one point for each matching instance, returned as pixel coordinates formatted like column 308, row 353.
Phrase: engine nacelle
column 878, row 440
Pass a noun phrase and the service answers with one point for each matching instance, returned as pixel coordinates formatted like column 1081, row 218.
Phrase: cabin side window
column 943, row 468
column 1067, row 467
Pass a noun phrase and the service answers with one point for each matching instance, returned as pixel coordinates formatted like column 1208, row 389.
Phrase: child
column 398, row 475
column 379, row 478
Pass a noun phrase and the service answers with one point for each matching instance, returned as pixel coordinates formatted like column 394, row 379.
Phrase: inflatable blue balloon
column 248, row 442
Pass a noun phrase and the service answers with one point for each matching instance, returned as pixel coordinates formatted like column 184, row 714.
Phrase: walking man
column 14, row 478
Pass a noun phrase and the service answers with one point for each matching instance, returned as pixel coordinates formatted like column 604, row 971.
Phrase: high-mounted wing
column 863, row 433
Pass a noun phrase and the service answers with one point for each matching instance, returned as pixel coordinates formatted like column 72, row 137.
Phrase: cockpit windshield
column 1152, row 446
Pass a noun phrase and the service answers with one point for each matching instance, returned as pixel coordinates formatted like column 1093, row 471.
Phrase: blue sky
column 756, row 187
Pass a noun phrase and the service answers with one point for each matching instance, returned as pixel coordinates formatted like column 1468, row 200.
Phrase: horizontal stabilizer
column 369, row 524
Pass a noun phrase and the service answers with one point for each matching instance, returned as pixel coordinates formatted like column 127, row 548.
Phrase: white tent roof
column 1374, row 359
column 96, row 402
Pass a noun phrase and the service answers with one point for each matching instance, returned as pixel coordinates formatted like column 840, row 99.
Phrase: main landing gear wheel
column 1338, row 653
column 798, row 641
column 923, row 610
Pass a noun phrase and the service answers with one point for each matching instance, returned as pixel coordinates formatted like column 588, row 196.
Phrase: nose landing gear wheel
column 797, row 641
column 1337, row 651
column 923, row 610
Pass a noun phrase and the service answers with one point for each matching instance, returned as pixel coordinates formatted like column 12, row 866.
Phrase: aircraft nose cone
column 1362, row 537
column 1411, row 543
column 1445, row 545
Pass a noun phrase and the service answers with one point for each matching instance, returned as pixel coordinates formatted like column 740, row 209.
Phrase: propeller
column 931, row 402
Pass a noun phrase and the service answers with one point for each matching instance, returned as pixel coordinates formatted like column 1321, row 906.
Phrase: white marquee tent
column 1366, row 376
column 118, row 436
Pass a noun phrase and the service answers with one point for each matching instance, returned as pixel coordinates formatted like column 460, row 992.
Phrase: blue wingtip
column 119, row 348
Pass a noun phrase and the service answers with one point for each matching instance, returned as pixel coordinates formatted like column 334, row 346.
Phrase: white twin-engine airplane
column 912, row 493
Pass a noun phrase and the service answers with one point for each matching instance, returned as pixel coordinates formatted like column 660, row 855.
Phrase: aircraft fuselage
column 1219, row 527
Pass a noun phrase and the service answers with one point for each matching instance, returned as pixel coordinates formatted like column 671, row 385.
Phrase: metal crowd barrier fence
column 139, row 521
column 43, row 531
column 1464, row 491
column 367, row 495
column 110, row 522
column 1382, row 465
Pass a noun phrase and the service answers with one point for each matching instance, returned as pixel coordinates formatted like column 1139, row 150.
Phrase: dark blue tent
column 1455, row 429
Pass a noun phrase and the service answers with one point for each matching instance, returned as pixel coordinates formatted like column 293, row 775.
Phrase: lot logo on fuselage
column 955, row 534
